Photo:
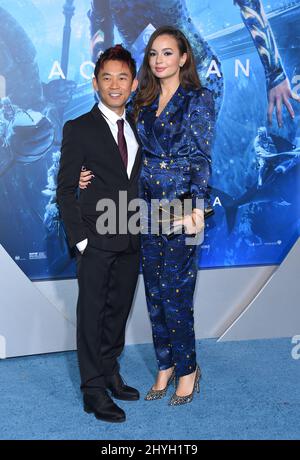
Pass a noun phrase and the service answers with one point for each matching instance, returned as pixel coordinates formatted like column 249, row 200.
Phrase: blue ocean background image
column 256, row 167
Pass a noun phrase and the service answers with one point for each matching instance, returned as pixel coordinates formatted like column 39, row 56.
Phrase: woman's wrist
column 197, row 214
column 198, row 218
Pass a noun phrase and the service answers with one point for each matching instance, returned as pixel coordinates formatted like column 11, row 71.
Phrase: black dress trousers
column 107, row 282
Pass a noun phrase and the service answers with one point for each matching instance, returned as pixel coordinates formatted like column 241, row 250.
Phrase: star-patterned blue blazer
column 177, row 146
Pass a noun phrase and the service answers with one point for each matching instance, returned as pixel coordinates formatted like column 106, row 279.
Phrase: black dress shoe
column 103, row 407
column 119, row 389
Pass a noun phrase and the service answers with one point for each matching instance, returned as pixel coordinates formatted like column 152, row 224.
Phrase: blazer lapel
column 138, row 156
column 136, row 164
column 111, row 143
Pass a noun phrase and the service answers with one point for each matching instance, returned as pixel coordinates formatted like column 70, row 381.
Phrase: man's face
column 114, row 84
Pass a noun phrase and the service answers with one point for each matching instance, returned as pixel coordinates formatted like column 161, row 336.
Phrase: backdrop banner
column 246, row 50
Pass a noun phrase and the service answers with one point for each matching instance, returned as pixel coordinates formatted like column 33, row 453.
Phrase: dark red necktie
column 122, row 142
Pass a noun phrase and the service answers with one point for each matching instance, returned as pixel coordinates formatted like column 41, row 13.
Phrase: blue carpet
column 249, row 390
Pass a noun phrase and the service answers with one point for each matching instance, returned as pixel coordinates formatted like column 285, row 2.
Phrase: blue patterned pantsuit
column 170, row 271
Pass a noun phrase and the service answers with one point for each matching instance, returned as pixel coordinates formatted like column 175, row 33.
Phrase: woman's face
column 165, row 59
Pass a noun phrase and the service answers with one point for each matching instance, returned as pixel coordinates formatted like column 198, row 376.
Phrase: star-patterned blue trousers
column 170, row 271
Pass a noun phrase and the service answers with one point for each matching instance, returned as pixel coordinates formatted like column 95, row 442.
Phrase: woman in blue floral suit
column 175, row 121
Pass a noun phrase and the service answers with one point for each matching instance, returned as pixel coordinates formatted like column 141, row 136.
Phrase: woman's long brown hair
column 149, row 85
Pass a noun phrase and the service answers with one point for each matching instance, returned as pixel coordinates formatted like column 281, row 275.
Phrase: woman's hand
column 193, row 223
column 85, row 178
column 198, row 219
column 279, row 95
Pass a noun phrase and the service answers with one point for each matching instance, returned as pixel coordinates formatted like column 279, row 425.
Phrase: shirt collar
column 112, row 116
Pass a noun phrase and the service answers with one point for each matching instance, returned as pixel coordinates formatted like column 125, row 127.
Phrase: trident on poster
column 68, row 11
column 2, row 86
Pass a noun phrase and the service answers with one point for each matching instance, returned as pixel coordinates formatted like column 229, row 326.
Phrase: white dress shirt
column 111, row 119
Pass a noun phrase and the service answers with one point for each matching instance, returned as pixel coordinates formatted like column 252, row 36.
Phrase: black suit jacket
column 88, row 141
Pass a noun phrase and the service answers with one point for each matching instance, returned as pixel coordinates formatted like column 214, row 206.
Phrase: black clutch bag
column 209, row 211
column 167, row 217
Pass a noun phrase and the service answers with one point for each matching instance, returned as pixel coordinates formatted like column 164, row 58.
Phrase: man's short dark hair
column 116, row 53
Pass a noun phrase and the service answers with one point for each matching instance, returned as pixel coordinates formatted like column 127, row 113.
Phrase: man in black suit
column 103, row 140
